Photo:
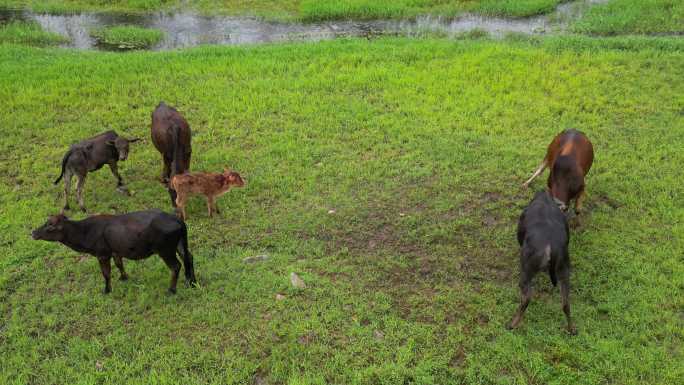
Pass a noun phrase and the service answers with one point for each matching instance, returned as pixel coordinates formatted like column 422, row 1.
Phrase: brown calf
column 208, row 184
column 569, row 156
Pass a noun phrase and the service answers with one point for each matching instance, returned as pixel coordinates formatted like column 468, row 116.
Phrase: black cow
column 135, row 235
column 90, row 155
column 543, row 236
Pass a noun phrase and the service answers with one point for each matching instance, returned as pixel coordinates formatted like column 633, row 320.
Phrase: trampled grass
column 419, row 147
column 634, row 17
column 128, row 37
column 28, row 34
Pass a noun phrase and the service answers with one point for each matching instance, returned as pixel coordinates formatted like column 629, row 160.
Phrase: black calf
column 543, row 236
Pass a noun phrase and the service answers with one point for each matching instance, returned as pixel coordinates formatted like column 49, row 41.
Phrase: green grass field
column 419, row 147
column 633, row 17
column 309, row 10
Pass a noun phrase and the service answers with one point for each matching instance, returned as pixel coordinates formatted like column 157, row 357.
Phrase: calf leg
column 579, row 201
column 565, row 296
column 525, row 296
column 67, row 188
column 79, row 191
column 175, row 266
column 180, row 206
column 106, row 267
column 210, row 205
column 541, row 168
column 119, row 264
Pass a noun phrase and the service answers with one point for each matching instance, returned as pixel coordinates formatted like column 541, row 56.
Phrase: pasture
column 387, row 175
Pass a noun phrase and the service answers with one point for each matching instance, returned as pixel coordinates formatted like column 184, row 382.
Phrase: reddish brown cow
column 569, row 156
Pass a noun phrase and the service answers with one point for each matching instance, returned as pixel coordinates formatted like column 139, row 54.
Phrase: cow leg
column 106, row 267
column 119, row 264
column 216, row 208
column 79, row 191
column 525, row 296
column 173, row 196
column 166, row 172
column 120, row 186
column 175, row 266
column 541, row 168
column 565, row 297
column 67, row 188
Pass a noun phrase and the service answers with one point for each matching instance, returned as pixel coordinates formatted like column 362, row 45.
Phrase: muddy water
column 186, row 29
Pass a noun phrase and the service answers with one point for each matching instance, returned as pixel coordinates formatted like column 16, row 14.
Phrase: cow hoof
column 572, row 330
column 123, row 190
column 123, row 278
column 84, row 210
column 106, row 291
column 171, row 292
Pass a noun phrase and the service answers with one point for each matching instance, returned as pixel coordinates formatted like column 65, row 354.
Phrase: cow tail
column 64, row 162
column 552, row 265
column 175, row 166
column 184, row 251
column 177, row 150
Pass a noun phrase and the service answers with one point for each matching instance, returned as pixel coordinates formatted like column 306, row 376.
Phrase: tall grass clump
column 28, row 33
column 633, row 16
column 354, row 9
column 127, row 37
column 516, row 8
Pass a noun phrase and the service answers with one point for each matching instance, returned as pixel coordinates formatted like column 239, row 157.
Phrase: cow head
column 232, row 178
column 121, row 146
column 52, row 230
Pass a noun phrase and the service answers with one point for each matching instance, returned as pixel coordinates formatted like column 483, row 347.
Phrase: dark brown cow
column 171, row 136
column 135, row 235
column 90, row 155
column 570, row 156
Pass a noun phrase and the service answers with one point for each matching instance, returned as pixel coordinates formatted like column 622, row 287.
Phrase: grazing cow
column 171, row 136
column 135, row 235
column 569, row 156
column 543, row 236
column 211, row 185
column 90, row 155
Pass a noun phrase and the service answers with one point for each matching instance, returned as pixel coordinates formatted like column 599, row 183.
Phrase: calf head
column 232, row 178
column 52, row 230
column 121, row 146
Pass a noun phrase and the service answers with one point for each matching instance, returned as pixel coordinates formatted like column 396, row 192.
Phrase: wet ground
column 186, row 29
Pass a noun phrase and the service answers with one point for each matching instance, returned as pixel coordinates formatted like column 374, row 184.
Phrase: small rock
column 331, row 211
column 402, row 214
column 296, row 281
column 258, row 258
column 378, row 335
column 99, row 365
column 279, row 297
